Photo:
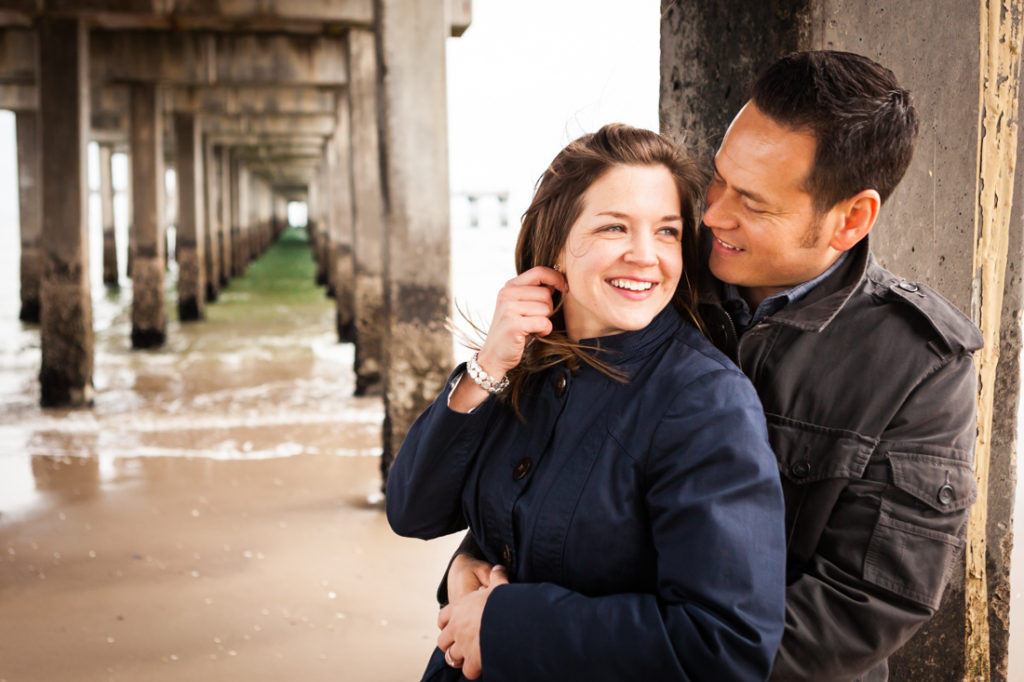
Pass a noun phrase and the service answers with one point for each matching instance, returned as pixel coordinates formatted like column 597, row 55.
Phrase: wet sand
column 179, row 569
column 216, row 515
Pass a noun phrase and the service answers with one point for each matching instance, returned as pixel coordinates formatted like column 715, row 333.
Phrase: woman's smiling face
column 623, row 258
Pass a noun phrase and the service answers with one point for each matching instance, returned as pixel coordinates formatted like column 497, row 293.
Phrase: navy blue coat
column 641, row 522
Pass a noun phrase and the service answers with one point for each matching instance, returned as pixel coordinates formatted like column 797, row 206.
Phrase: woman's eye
column 613, row 228
column 670, row 232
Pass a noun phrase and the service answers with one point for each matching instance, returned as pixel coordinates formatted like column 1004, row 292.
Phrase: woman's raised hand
column 523, row 309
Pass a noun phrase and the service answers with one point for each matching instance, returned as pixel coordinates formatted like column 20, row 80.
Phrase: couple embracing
column 732, row 449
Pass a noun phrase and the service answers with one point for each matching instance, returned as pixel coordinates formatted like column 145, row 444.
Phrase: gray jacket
column 868, row 386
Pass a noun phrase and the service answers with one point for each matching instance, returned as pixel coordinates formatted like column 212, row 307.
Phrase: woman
column 601, row 450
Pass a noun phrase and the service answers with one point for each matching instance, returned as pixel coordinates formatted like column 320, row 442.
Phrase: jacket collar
column 814, row 312
column 624, row 348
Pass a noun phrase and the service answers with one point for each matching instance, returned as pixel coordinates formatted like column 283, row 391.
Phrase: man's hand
column 466, row 575
column 460, row 626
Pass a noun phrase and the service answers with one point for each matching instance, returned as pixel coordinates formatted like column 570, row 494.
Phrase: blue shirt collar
column 738, row 309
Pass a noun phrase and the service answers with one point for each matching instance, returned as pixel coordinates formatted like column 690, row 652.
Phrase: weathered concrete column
column 341, row 258
column 66, row 332
column 191, row 239
column 212, row 214
column 227, row 235
column 149, row 320
column 321, row 244
column 927, row 230
column 30, row 212
column 417, row 348
column 110, row 277
column 239, row 236
column 313, row 224
column 368, row 212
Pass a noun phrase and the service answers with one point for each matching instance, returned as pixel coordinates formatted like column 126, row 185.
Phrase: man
column 867, row 380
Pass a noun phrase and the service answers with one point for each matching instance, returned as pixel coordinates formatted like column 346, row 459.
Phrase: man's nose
column 716, row 213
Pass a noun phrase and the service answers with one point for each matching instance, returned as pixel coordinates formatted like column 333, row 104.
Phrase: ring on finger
column 449, row 660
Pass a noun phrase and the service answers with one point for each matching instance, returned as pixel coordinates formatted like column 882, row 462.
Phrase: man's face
column 768, row 235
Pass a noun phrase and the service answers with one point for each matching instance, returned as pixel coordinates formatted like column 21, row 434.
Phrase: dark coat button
column 560, row 386
column 946, row 494
column 506, row 555
column 908, row 286
column 800, row 469
column 522, row 468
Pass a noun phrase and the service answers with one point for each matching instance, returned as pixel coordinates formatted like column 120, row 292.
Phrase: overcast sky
column 529, row 76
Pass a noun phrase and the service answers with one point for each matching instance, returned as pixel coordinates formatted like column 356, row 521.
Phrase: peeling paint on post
column 30, row 212
column 149, row 319
column 417, row 345
column 997, row 158
column 66, row 333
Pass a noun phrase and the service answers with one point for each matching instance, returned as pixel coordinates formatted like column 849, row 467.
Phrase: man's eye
column 755, row 211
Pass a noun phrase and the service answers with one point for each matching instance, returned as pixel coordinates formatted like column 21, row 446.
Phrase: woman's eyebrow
column 617, row 214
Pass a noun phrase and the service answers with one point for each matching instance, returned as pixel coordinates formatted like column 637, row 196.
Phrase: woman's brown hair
column 556, row 205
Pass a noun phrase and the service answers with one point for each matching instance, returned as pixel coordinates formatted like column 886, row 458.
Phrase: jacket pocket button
column 946, row 494
column 506, row 555
column 522, row 468
column 800, row 469
column 560, row 386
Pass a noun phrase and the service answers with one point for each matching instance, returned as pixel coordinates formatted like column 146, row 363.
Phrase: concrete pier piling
column 212, row 215
column 110, row 276
column 368, row 210
column 30, row 211
column 191, row 238
column 66, row 333
column 149, row 319
column 417, row 299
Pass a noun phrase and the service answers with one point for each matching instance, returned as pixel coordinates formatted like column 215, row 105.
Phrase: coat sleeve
column 714, row 504
column 424, row 488
column 891, row 540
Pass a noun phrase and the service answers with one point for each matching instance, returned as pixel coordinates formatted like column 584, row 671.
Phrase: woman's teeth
column 631, row 284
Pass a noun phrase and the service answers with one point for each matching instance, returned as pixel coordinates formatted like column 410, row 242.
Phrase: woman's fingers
column 443, row 616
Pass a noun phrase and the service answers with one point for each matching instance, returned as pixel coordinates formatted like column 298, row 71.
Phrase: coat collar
column 625, row 348
column 815, row 311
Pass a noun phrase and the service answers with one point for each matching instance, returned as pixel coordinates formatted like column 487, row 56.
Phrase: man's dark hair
column 864, row 123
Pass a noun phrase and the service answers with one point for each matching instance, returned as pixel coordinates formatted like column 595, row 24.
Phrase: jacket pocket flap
column 809, row 453
column 942, row 483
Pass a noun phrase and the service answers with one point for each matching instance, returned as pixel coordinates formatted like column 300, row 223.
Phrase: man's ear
column 857, row 216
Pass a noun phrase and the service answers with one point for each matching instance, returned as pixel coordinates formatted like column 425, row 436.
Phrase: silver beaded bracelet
column 483, row 379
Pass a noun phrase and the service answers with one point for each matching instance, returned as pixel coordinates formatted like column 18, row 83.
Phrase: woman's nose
column 642, row 251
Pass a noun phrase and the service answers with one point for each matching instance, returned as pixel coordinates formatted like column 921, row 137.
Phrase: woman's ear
column 857, row 216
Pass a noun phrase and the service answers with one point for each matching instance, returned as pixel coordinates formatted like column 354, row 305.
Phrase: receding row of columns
column 378, row 211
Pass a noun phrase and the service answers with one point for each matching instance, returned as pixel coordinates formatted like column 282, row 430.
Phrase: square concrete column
column 239, row 236
column 963, row 73
column 66, row 332
column 110, row 277
column 418, row 347
column 212, row 213
column 368, row 209
column 227, row 236
column 149, row 319
column 191, row 237
column 322, row 234
column 30, row 212
column 341, row 260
